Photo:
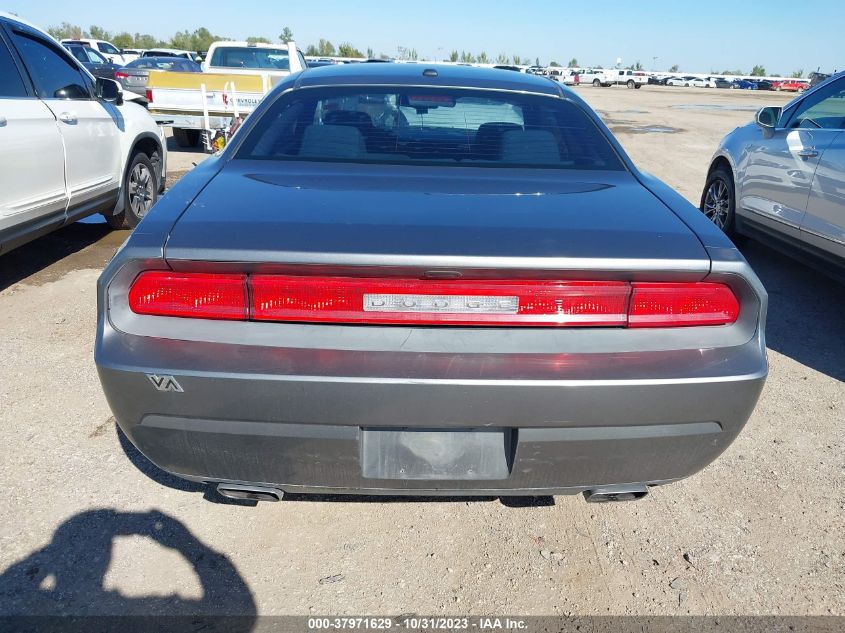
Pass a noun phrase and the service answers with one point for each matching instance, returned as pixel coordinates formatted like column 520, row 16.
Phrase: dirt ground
column 88, row 526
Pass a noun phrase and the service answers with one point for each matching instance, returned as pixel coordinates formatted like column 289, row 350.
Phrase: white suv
column 70, row 146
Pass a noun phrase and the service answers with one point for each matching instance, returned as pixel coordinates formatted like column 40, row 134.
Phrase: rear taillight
column 197, row 295
column 432, row 302
column 677, row 305
column 149, row 95
column 120, row 75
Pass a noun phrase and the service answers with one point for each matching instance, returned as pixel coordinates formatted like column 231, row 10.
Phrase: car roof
column 411, row 74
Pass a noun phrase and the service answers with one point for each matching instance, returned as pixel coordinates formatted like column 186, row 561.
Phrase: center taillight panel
column 362, row 300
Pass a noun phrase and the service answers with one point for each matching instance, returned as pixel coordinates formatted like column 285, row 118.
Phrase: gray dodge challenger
column 428, row 280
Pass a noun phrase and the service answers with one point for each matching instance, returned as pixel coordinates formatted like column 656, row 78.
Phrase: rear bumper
column 265, row 415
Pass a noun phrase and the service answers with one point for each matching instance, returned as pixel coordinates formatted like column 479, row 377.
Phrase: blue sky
column 698, row 36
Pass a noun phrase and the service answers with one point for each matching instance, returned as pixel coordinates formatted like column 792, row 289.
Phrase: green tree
column 348, row 50
column 797, row 74
column 517, row 60
column 736, row 71
column 758, row 71
column 65, row 30
column 537, row 62
column 370, row 54
column 144, row 40
column 257, row 39
column 573, row 63
column 501, row 58
column 637, row 66
column 674, row 68
column 467, row 58
column 454, row 56
column 98, row 33
column 312, row 51
column 483, row 58
column 123, row 40
column 286, row 35
column 326, row 48
column 554, row 64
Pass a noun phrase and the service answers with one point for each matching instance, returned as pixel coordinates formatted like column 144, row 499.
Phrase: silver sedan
column 134, row 76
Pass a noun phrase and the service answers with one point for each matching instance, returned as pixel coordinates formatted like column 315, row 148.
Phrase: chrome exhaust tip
column 250, row 493
column 606, row 494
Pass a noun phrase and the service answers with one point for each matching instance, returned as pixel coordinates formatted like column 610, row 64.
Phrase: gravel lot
column 90, row 527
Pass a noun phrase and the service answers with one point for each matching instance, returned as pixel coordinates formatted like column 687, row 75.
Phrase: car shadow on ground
column 806, row 319
column 67, row 578
column 52, row 249
column 210, row 494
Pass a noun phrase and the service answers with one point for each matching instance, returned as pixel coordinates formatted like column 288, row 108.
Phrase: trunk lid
column 454, row 218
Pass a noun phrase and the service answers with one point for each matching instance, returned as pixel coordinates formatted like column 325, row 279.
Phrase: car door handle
column 810, row 152
column 67, row 117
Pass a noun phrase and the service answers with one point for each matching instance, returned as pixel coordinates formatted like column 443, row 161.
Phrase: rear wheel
column 631, row 85
column 718, row 201
column 186, row 138
column 596, row 82
column 140, row 192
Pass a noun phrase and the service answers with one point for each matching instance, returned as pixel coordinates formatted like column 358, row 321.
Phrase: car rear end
column 370, row 327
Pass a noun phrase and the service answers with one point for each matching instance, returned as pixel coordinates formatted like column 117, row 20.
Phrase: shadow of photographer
column 66, row 577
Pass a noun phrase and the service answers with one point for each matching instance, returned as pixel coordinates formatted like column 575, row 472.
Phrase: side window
column 54, row 74
column 107, row 48
column 824, row 109
column 11, row 84
column 95, row 57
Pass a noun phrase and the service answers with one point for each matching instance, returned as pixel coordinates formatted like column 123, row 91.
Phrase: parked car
column 816, row 78
column 744, row 84
column 134, row 76
column 295, row 316
column 720, row 82
column 630, row 78
column 71, row 146
column 659, row 80
column 173, row 52
column 108, row 50
column 702, row 82
column 681, row 81
column 779, row 179
column 93, row 62
column 598, row 77
column 571, row 77
column 793, row 85
column 764, row 84
column 131, row 54
column 249, row 58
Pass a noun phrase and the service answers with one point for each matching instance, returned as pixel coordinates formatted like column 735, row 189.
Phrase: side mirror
column 767, row 118
column 109, row 91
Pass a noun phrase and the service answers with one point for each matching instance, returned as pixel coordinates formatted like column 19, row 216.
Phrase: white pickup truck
column 599, row 76
column 235, row 78
column 630, row 78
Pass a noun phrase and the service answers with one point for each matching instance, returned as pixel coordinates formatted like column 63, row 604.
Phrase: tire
column 631, row 85
column 186, row 138
column 140, row 193
column 596, row 83
column 718, row 201
column 638, row 86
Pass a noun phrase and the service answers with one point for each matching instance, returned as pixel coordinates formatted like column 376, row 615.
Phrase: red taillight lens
column 197, row 295
column 677, row 305
column 361, row 300
column 149, row 95
column 120, row 75
column 429, row 302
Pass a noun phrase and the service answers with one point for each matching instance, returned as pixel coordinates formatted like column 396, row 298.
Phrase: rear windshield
column 251, row 57
column 424, row 126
